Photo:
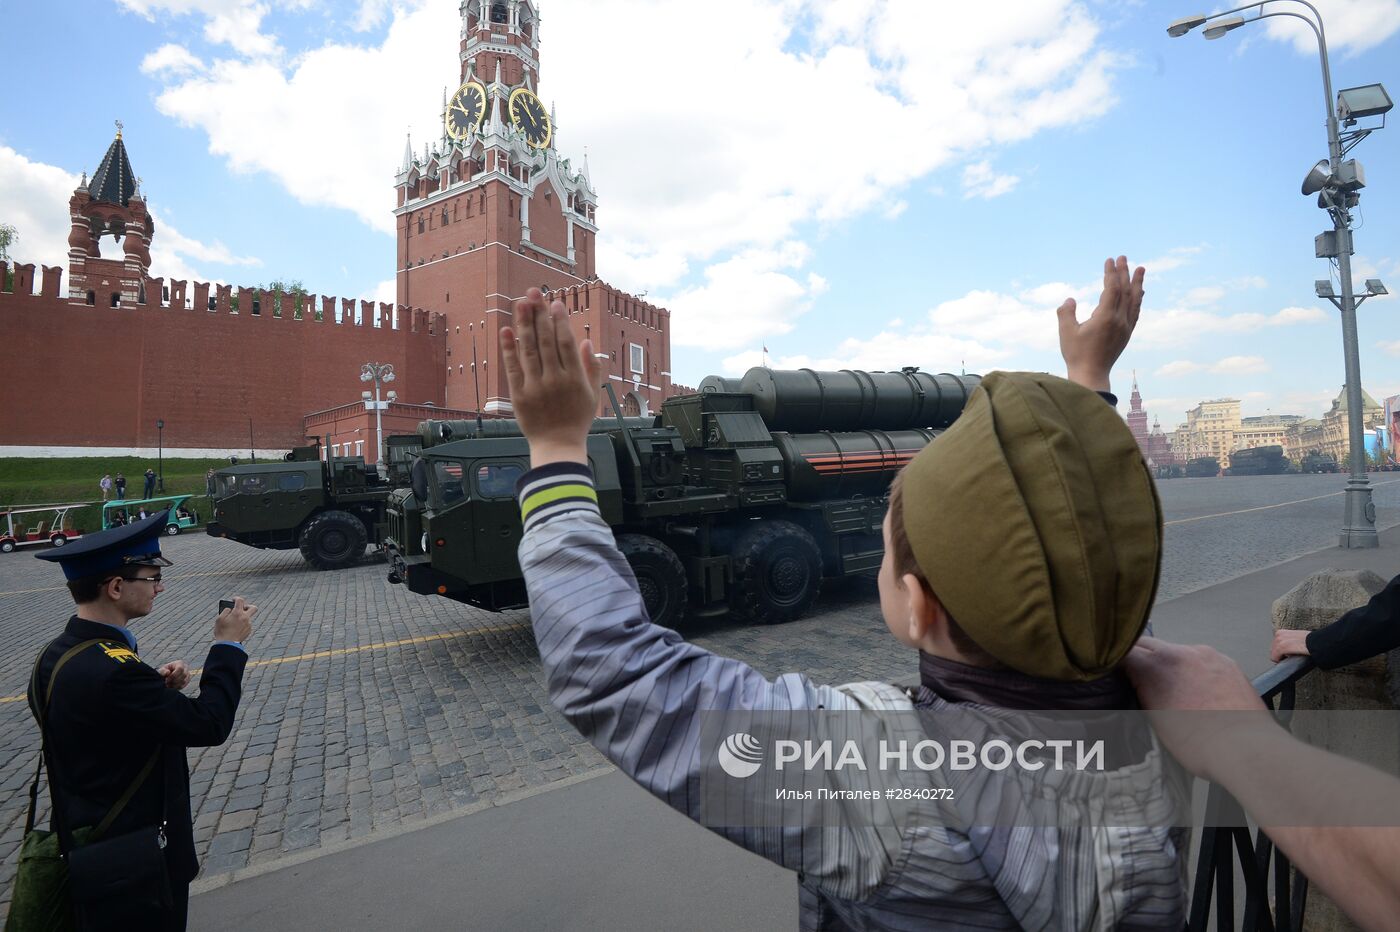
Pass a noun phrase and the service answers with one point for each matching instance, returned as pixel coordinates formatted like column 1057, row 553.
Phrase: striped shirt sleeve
column 634, row 688
column 553, row 490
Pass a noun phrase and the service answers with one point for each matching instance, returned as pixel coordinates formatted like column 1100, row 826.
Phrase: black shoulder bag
column 96, row 878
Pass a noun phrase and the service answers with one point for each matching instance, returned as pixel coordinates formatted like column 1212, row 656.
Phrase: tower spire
column 114, row 182
column 407, row 153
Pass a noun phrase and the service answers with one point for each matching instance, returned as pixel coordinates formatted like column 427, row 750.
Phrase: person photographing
column 115, row 732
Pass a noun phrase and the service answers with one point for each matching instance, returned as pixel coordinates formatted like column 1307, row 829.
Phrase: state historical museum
column 484, row 213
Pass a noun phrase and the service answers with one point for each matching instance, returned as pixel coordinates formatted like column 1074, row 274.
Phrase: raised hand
column 553, row 380
column 1090, row 349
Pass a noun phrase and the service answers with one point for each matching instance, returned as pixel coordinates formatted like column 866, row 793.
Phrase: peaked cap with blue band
column 111, row 551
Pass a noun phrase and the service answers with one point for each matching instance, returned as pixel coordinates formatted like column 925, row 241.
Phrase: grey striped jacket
column 634, row 690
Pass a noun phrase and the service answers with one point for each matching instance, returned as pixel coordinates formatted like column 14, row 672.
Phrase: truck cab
column 330, row 510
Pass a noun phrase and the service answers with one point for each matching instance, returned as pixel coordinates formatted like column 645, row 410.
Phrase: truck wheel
column 777, row 573
column 332, row 540
column 660, row 577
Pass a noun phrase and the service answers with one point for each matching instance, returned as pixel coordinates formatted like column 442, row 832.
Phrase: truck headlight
column 424, row 542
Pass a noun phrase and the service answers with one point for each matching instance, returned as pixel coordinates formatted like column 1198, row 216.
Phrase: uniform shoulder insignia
column 120, row 654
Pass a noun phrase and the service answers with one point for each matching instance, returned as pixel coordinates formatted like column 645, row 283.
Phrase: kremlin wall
column 98, row 377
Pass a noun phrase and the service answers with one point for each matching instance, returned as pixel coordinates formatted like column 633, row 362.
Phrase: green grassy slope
column 34, row 481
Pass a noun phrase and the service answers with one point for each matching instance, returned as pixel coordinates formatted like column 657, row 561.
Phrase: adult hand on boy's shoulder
column 1090, row 349
column 553, row 380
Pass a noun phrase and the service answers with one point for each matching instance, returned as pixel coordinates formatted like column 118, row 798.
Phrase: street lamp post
column 160, row 455
column 1336, row 183
column 378, row 374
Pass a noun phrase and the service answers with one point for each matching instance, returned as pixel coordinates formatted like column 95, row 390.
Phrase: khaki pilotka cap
column 1037, row 525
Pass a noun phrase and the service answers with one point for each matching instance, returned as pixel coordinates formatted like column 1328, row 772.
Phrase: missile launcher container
column 728, row 500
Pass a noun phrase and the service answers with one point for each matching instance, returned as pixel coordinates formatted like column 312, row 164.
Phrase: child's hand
column 1090, row 349
column 553, row 381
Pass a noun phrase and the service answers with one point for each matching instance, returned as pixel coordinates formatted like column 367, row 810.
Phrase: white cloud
column 1298, row 315
column 698, row 190
column 1352, row 25
column 1178, row 368
column 1230, row 365
column 1208, row 294
column 893, row 211
column 1240, row 365
column 887, row 350
column 1391, row 348
column 1177, row 326
column 171, row 60
column 386, row 292
column 237, row 23
column 980, row 180
column 35, row 198
column 370, row 14
column 756, row 294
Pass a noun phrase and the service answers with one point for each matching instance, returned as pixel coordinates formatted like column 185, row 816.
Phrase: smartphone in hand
column 225, row 604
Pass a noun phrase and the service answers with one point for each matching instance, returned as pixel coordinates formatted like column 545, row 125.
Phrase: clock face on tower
column 466, row 110
column 529, row 116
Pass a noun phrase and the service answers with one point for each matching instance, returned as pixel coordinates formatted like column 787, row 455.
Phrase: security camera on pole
column 1336, row 183
column 378, row 374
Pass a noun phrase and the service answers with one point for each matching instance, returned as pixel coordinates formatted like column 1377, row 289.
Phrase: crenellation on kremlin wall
column 213, row 373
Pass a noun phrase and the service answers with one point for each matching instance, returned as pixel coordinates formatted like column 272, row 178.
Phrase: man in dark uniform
column 110, row 714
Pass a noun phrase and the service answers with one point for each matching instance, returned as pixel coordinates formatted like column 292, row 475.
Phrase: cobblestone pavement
column 367, row 708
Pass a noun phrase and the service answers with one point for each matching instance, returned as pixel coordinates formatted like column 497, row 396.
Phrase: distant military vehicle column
column 740, row 498
column 329, row 510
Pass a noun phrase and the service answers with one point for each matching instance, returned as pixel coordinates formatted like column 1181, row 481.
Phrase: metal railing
column 1227, row 838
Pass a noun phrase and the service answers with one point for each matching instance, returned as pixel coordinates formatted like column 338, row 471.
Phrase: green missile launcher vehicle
column 1258, row 461
column 740, row 498
column 330, row 510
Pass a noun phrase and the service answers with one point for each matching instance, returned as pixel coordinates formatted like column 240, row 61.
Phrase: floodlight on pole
column 1374, row 288
column 1353, row 103
column 1336, row 183
column 1324, row 289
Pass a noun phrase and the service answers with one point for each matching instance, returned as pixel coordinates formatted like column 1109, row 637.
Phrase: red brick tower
column 109, row 205
column 1137, row 417
column 491, row 209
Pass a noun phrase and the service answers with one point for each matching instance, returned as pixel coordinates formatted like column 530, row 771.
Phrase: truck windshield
column 447, row 485
column 227, row 485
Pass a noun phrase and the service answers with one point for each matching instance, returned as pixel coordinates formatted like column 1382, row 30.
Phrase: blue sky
column 854, row 183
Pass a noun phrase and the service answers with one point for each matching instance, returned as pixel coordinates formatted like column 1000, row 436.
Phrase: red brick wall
column 99, row 376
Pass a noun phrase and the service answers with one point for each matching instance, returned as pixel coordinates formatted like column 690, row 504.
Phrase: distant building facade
column 1270, row 430
column 1210, row 430
column 1330, row 434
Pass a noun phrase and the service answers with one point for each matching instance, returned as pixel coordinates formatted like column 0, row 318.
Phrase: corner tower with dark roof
column 109, row 205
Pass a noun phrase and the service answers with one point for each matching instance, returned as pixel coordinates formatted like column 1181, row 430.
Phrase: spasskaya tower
column 491, row 208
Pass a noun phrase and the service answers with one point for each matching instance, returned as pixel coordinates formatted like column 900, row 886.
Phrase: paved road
column 368, row 708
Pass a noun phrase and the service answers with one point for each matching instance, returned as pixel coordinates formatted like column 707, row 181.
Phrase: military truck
column 1317, row 461
column 1258, row 461
column 329, row 509
column 738, row 501
column 1202, row 467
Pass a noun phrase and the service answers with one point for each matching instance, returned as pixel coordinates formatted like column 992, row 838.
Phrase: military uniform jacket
column 1363, row 632
column 109, row 712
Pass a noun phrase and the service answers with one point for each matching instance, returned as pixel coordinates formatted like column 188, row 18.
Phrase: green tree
column 296, row 288
column 8, row 237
